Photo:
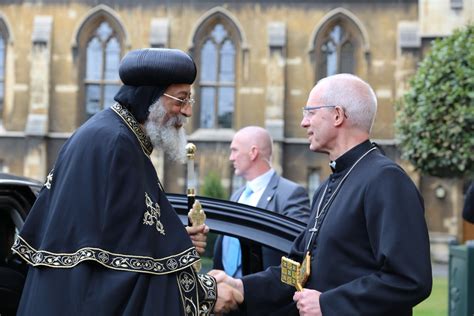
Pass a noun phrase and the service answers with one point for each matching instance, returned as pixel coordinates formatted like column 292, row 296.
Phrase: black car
column 253, row 226
column 17, row 195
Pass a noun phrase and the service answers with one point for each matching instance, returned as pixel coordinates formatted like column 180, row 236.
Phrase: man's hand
column 228, row 298
column 198, row 236
column 230, row 292
column 222, row 277
column 307, row 302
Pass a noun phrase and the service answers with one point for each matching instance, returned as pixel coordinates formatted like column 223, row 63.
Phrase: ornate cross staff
column 191, row 190
column 196, row 215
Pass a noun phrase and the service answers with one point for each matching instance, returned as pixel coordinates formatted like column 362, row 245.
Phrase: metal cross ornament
column 294, row 273
column 196, row 217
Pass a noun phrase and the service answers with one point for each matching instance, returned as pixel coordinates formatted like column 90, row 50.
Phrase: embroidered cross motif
column 187, row 281
column 152, row 214
column 49, row 179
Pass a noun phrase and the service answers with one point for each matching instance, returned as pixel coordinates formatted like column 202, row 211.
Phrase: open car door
column 17, row 195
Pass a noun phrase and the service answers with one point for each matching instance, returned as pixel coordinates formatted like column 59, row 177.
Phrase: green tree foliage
column 212, row 186
column 435, row 120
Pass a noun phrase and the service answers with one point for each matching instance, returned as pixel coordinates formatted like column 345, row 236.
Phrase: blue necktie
column 231, row 254
column 245, row 198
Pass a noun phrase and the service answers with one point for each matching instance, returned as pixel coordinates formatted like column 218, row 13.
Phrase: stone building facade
column 257, row 61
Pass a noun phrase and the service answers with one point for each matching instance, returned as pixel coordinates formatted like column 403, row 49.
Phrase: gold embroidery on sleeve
column 152, row 214
column 187, row 288
column 198, row 292
column 209, row 287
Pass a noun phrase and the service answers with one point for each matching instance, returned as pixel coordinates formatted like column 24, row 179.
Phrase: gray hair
column 354, row 95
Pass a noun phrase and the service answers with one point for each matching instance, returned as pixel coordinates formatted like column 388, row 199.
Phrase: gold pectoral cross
column 294, row 273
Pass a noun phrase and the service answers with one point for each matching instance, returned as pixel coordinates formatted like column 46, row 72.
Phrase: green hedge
column 435, row 120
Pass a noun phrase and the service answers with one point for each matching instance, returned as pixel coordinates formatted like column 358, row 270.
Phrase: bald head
column 340, row 115
column 256, row 136
column 351, row 93
column 251, row 151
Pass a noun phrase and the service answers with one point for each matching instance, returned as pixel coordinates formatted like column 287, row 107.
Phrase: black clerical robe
column 102, row 237
column 372, row 254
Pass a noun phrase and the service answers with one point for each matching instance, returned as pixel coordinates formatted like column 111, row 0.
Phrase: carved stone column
column 275, row 92
column 37, row 124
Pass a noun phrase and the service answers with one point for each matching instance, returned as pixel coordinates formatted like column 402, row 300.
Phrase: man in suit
column 250, row 153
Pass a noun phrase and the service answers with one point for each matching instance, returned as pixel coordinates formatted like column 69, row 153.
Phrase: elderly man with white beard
column 102, row 237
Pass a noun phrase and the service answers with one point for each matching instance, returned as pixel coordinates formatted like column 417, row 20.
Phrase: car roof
column 11, row 179
column 243, row 221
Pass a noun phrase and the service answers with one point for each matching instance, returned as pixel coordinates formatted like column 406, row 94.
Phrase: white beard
column 165, row 135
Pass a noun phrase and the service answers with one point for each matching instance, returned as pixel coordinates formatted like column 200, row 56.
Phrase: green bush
column 435, row 120
column 212, row 186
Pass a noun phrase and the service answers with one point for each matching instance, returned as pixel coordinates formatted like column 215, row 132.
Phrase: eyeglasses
column 307, row 110
column 183, row 102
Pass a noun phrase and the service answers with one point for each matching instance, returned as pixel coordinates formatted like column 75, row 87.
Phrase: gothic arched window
column 217, row 79
column 336, row 54
column 101, row 80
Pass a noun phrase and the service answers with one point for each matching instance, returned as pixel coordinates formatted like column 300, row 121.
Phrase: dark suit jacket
column 281, row 196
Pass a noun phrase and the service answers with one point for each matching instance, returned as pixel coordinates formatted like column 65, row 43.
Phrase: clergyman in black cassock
column 102, row 238
column 367, row 235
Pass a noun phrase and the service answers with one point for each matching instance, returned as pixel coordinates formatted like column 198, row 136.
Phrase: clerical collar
column 349, row 157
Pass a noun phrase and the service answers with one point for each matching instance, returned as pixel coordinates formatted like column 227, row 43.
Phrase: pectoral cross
column 294, row 273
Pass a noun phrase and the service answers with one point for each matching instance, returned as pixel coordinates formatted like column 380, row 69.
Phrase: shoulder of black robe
column 104, row 204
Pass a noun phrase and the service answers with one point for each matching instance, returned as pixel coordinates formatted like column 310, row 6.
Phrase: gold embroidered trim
column 106, row 258
column 209, row 286
column 152, row 214
column 49, row 179
column 132, row 123
column 190, row 287
column 187, row 287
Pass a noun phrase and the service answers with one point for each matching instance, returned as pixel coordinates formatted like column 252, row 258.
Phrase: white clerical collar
column 261, row 182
